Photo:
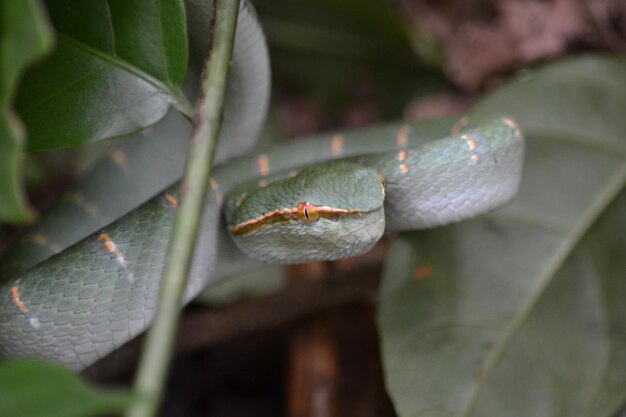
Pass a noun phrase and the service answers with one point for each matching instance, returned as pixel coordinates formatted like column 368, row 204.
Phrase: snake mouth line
column 292, row 214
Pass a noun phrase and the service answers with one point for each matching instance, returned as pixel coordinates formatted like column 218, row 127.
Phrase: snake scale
column 79, row 305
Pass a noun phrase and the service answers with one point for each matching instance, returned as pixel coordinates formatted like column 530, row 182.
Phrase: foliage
column 115, row 70
column 519, row 313
column 25, row 37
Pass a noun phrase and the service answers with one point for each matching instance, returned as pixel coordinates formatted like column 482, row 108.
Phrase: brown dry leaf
column 542, row 29
column 486, row 38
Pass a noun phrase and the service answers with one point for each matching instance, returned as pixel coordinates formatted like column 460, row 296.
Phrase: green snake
column 328, row 198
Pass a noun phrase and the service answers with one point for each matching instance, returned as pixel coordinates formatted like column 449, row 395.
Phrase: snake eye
column 308, row 212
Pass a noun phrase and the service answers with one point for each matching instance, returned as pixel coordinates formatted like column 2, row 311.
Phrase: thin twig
column 159, row 341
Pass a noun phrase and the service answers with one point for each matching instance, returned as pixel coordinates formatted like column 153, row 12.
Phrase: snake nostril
column 240, row 199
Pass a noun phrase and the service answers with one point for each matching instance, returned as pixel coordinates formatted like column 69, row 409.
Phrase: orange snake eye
column 308, row 212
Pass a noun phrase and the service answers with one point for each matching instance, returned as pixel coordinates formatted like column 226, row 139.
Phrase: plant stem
column 159, row 341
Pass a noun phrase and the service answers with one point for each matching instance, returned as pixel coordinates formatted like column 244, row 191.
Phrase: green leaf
column 521, row 313
column 117, row 68
column 38, row 389
column 579, row 99
column 25, row 37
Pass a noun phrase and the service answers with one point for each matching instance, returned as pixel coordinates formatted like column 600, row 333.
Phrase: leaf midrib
column 175, row 96
column 561, row 231
column 608, row 194
column 50, row 96
column 116, row 62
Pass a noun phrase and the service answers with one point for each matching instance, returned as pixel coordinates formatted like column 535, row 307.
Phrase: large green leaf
column 24, row 37
column 37, row 389
column 521, row 313
column 118, row 67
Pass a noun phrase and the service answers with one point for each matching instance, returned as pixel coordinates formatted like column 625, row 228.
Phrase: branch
column 159, row 341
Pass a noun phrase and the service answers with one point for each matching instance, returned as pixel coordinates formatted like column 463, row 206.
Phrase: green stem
column 158, row 346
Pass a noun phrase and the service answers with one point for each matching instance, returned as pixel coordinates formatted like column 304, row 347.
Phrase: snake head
column 329, row 211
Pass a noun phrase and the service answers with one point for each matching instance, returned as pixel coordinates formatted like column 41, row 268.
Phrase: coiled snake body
column 81, row 304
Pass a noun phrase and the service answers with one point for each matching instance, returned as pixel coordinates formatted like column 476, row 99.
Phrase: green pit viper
column 327, row 198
